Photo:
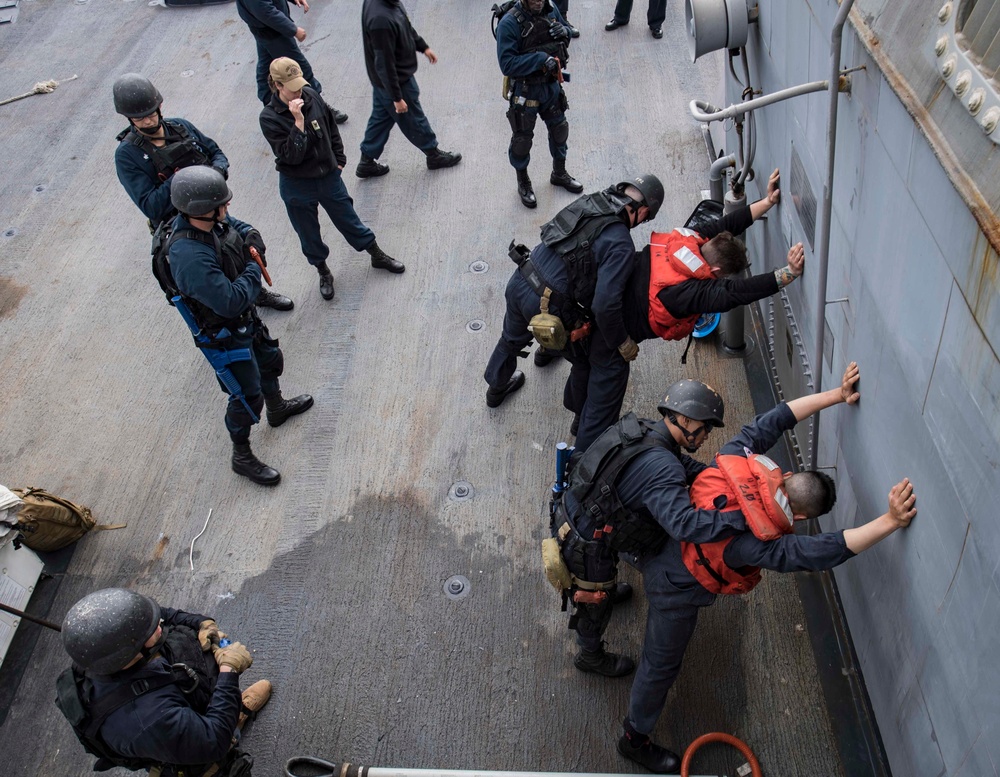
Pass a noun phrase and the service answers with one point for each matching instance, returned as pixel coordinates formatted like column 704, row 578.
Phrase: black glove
column 254, row 240
column 223, row 170
column 551, row 66
column 557, row 31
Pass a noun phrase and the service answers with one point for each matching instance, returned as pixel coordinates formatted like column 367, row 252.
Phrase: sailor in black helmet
column 578, row 275
column 151, row 687
column 212, row 272
column 152, row 149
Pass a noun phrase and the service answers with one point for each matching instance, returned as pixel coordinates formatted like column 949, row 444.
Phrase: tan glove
column 209, row 635
column 235, row 656
column 629, row 350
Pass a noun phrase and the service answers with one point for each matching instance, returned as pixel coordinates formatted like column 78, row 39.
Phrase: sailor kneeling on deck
column 156, row 688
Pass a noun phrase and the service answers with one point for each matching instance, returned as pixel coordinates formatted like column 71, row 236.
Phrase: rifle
column 218, row 358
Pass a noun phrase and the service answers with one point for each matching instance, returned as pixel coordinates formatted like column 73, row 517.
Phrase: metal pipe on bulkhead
column 826, row 214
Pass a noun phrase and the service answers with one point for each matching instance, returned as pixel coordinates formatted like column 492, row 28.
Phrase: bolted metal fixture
column 479, row 266
column 40, row 188
column 457, row 587
column 10, row 232
column 976, row 100
column 717, row 24
column 476, row 325
column 990, row 121
column 460, row 491
column 963, row 82
column 944, row 14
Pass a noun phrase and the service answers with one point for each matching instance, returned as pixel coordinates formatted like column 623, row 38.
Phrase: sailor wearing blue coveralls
column 153, row 148
column 675, row 596
column 276, row 34
column 595, row 230
column 626, row 493
column 211, row 270
column 532, row 48
column 168, row 694
column 309, row 156
column 391, row 45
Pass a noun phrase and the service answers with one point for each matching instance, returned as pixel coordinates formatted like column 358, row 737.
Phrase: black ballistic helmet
column 105, row 630
column 198, row 190
column 652, row 191
column 135, row 96
column 696, row 400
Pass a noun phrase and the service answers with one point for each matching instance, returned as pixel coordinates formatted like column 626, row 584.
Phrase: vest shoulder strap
column 607, row 456
column 103, row 706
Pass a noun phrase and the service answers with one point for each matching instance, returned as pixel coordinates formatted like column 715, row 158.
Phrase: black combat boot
column 621, row 593
column 339, row 116
column 249, row 466
column 370, row 168
column 325, row 280
column 437, row 159
column 270, row 299
column 561, row 178
column 603, row 662
column 382, row 261
column 280, row 409
column 641, row 749
column 496, row 396
column 545, row 357
column 524, row 190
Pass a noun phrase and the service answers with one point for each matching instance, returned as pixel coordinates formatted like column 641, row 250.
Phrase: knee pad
column 560, row 132
column 520, row 144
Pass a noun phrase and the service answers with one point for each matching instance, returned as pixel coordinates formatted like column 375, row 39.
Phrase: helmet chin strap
column 689, row 436
column 152, row 130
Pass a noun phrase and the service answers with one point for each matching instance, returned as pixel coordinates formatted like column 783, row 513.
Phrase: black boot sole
column 257, row 480
column 396, row 267
column 276, row 422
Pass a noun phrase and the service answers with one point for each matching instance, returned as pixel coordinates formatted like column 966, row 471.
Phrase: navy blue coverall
column 309, row 175
column 597, row 381
column 198, row 274
column 673, row 594
column 271, row 23
column 542, row 97
column 141, row 180
column 161, row 725
column 391, row 45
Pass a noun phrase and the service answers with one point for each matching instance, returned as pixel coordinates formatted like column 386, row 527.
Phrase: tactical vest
column 572, row 232
column 535, row 36
column 592, row 484
column 86, row 714
column 674, row 257
column 180, row 149
column 755, row 484
column 229, row 250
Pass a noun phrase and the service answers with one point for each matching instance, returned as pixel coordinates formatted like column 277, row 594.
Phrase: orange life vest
column 755, row 484
column 674, row 257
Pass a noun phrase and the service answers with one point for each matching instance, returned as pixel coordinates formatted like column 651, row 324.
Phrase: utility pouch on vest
column 549, row 331
column 48, row 522
column 556, row 570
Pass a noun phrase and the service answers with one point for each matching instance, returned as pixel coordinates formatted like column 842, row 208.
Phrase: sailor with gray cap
column 576, row 277
column 309, row 156
column 153, row 148
column 155, row 688
column 212, row 268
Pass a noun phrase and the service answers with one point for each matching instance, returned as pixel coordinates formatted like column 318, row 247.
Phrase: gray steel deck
column 335, row 578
